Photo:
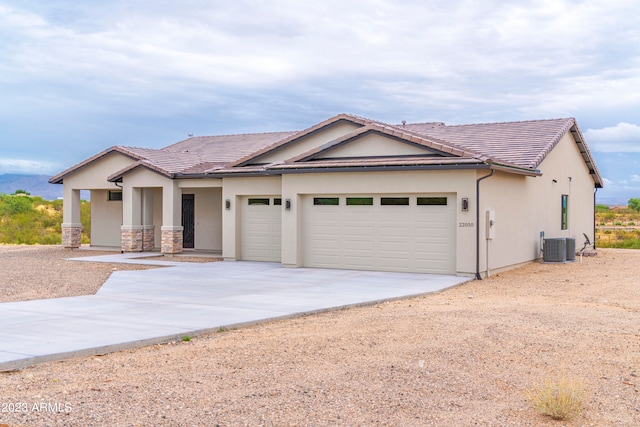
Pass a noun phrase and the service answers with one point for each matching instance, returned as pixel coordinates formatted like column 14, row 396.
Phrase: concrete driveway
column 139, row 308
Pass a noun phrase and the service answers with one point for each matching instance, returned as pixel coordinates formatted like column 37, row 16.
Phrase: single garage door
column 261, row 226
column 411, row 233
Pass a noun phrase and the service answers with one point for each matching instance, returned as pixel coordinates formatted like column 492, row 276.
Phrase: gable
column 94, row 172
column 374, row 144
column 307, row 142
column 565, row 160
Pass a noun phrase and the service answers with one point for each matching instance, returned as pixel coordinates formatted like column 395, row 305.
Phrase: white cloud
column 624, row 137
column 246, row 44
column 88, row 72
column 21, row 166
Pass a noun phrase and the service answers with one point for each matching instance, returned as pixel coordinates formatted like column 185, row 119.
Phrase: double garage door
column 409, row 233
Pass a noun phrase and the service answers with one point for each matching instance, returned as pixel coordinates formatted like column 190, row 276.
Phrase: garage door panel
column 397, row 245
column 412, row 237
column 327, row 261
column 357, row 247
column 325, row 244
column 398, row 264
column 389, row 233
column 356, row 231
column 260, row 234
column 359, row 262
column 432, row 248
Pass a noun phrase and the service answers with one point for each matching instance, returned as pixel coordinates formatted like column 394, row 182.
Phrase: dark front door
column 188, row 220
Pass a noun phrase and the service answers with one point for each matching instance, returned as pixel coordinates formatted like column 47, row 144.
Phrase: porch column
column 71, row 225
column 131, row 230
column 148, row 229
column 172, row 218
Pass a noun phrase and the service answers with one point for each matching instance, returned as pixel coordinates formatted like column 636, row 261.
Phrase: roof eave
column 290, row 168
column 118, row 176
column 586, row 156
column 59, row 178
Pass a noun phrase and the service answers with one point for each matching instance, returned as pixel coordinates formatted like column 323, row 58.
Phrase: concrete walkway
column 139, row 308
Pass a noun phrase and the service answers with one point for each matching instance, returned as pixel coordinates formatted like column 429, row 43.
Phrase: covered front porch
column 144, row 211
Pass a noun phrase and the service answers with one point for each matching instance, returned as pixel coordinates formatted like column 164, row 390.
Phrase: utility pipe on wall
column 478, row 223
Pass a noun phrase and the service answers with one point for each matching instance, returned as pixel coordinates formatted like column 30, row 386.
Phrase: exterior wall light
column 227, row 204
column 287, row 204
column 465, row 204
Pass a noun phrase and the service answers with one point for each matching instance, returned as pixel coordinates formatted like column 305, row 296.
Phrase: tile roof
column 191, row 156
column 524, row 144
column 227, row 148
column 515, row 145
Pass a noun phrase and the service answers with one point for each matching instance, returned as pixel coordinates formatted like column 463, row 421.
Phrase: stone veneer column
column 148, row 237
column 71, row 235
column 172, row 239
column 131, row 238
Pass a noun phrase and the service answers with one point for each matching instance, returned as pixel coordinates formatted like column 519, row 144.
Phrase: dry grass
column 559, row 399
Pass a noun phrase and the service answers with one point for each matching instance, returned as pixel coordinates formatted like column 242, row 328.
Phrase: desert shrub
column 560, row 399
column 14, row 205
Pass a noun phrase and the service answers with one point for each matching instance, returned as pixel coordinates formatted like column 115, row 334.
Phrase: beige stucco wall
column 309, row 142
column 374, row 144
column 208, row 217
column 233, row 189
column 106, row 219
column 526, row 206
column 90, row 177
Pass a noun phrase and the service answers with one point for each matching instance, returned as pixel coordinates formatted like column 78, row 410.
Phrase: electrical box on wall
column 491, row 224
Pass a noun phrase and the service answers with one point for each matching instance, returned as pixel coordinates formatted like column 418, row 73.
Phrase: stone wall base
column 71, row 235
column 131, row 238
column 148, row 238
column 171, row 240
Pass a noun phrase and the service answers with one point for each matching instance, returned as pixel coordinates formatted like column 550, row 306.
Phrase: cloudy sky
column 79, row 76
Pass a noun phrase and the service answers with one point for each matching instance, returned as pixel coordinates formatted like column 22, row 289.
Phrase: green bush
column 33, row 220
column 13, row 205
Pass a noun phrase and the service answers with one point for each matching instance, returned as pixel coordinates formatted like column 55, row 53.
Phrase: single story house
column 347, row 193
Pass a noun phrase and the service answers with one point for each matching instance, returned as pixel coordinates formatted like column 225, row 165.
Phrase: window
column 258, row 201
column 565, row 213
column 394, row 201
column 277, row 202
column 359, row 201
column 114, row 195
column 432, row 201
column 320, row 201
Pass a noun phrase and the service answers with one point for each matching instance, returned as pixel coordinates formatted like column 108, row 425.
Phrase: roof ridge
column 438, row 124
column 238, row 134
column 508, row 122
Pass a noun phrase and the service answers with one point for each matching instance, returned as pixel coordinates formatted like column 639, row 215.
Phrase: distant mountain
column 36, row 185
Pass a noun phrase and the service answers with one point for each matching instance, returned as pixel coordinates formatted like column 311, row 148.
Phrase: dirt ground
column 462, row 357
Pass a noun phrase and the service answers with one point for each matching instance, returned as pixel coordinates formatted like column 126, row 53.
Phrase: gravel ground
column 465, row 356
